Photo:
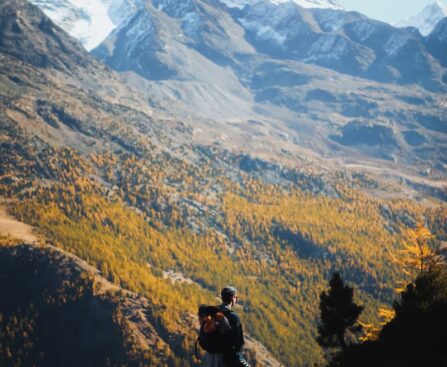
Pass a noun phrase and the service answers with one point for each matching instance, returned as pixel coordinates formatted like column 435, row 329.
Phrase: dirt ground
column 14, row 228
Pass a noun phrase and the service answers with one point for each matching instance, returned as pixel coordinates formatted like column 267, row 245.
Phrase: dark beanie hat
column 228, row 292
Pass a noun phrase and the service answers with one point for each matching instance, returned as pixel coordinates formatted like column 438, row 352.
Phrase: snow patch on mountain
column 331, row 21
column 264, row 19
column 327, row 47
column 186, row 10
column 276, row 24
column 324, row 4
column 138, row 29
column 89, row 21
column 395, row 44
column 364, row 29
column 136, row 32
column 266, row 33
column 427, row 19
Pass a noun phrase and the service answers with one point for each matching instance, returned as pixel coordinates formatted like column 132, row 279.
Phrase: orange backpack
column 214, row 326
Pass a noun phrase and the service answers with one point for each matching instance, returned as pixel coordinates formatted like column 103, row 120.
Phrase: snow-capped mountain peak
column 427, row 19
column 325, row 4
column 89, row 21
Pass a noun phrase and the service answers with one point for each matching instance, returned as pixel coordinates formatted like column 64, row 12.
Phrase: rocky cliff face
column 20, row 39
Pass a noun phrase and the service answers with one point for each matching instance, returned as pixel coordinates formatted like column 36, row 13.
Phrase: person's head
column 229, row 295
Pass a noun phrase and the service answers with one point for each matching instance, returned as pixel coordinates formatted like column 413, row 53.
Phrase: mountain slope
column 68, row 315
column 49, row 120
column 242, row 65
column 20, row 40
column 437, row 42
column 250, row 64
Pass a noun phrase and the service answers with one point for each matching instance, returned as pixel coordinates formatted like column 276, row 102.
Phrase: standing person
column 231, row 338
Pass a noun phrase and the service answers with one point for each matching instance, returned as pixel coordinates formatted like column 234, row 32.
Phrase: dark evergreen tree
column 338, row 314
column 415, row 337
column 419, row 327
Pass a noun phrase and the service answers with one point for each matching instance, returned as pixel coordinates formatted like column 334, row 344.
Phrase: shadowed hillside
column 54, row 312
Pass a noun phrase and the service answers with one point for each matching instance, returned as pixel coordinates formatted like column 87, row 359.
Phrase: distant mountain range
column 347, row 42
column 91, row 21
column 316, row 32
column 318, row 77
column 267, row 55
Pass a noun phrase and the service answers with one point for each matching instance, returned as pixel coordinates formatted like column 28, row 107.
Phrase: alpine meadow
column 153, row 152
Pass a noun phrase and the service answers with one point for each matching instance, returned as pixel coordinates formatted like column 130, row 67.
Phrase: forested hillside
column 99, row 174
column 140, row 225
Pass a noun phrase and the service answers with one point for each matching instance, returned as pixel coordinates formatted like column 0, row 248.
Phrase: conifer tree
column 338, row 314
column 418, row 255
column 415, row 336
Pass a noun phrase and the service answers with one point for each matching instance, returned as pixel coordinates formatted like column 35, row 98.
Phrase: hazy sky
column 387, row 10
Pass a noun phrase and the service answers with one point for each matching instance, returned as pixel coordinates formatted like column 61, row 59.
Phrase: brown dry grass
column 13, row 228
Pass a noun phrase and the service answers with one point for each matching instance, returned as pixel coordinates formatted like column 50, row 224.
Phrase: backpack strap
column 226, row 311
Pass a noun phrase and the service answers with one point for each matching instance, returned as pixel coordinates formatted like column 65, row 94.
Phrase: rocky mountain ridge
column 91, row 21
column 273, row 63
column 324, row 4
column 330, row 34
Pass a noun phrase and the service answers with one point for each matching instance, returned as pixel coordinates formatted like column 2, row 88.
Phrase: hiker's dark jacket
column 234, row 340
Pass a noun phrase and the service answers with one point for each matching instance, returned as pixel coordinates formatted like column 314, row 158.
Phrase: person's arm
column 236, row 336
column 234, row 356
column 239, row 338
column 239, row 360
